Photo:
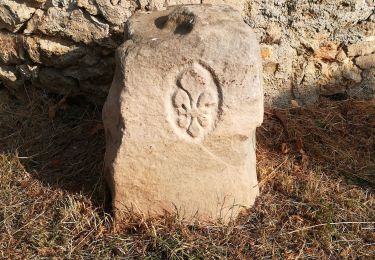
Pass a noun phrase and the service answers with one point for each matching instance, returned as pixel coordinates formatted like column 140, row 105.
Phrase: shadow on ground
column 316, row 169
column 59, row 141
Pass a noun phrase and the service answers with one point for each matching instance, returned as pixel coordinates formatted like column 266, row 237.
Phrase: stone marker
column 181, row 115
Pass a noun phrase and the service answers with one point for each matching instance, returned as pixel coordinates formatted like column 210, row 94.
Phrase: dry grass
column 316, row 169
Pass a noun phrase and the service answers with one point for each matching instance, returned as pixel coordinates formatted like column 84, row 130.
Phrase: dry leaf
column 294, row 103
column 282, row 116
column 284, row 148
column 52, row 112
column 299, row 144
column 52, row 109
column 305, row 159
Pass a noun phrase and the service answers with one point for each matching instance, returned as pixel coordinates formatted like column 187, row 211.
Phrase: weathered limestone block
column 352, row 72
column 181, row 114
column 239, row 5
column 13, row 14
column 53, row 51
column 116, row 11
column 361, row 48
column 11, row 79
column 89, row 5
column 74, row 25
column 366, row 62
column 66, row 4
column 163, row 4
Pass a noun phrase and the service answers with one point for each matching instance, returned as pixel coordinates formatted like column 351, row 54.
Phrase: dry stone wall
column 309, row 48
column 316, row 48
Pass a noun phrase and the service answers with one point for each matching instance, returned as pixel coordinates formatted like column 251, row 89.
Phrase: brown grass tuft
column 316, row 169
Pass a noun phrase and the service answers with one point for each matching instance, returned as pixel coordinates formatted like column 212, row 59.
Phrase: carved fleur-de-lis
column 194, row 103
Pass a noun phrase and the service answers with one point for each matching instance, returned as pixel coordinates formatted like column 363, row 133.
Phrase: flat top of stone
column 182, row 20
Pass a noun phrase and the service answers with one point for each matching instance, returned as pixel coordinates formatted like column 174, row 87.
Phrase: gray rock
column 101, row 73
column 366, row 62
column 54, row 81
column 65, row 4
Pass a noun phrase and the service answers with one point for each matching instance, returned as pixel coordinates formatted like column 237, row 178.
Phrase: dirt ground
column 316, row 169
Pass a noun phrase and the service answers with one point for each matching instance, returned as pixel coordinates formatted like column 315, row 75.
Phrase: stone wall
column 310, row 48
column 316, row 48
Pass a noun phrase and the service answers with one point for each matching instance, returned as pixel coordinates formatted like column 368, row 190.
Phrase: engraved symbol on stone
column 196, row 101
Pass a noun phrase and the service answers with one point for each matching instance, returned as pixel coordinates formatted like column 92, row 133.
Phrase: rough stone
column 53, row 51
column 306, row 27
column 352, row 72
column 28, row 71
column 35, row 3
column 54, row 81
column 181, row 114
column 366, row 62
column 101, row 73
column 341, row 56
column 163, row 4
column 13, row 14
column 101, row 90
column 74, row 25
column 327, row 52
column 278, row 72
column 11, row 79
column 65, row 4
column 11, row 48
column 336, row 78
column 89, row 5
column 116, row 11
column 366, row 89
column 238, row 5
column 266, row 52
column 273, row 33
column 361, row 48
